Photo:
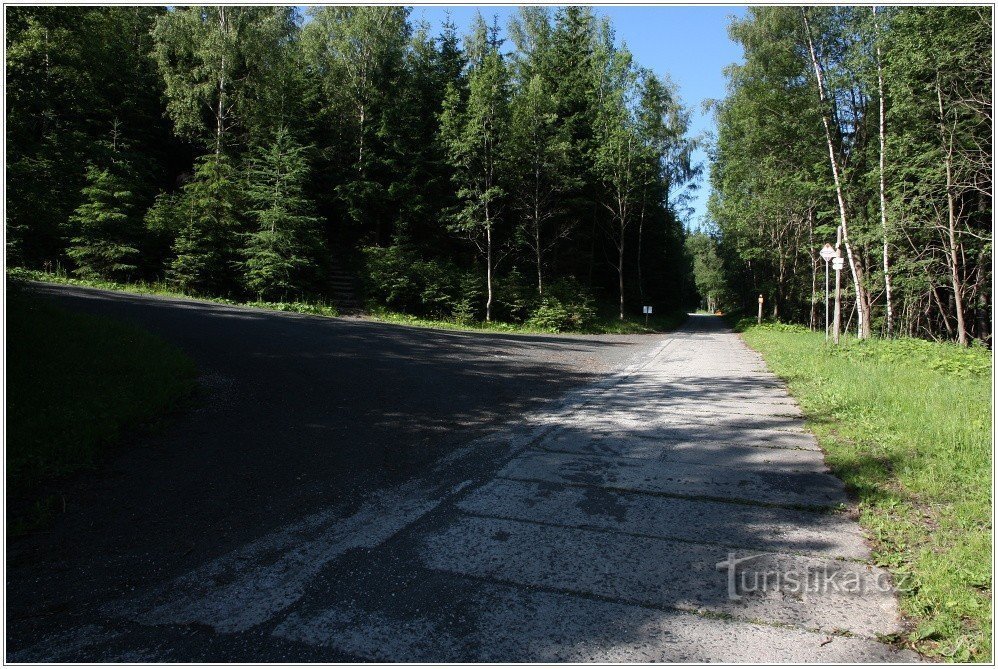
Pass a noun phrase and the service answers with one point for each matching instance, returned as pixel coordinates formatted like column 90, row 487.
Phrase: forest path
column 596, row 526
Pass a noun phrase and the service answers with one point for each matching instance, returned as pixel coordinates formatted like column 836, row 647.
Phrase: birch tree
column 618, row 155
column 475, row 134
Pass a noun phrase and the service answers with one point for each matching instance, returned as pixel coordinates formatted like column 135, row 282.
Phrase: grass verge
column 603, row 324
column 144, row 288
column 906, row 424
column 75, row 384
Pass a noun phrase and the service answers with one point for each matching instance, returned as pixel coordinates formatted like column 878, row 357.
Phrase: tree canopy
column 258, row 154
column 869, row 128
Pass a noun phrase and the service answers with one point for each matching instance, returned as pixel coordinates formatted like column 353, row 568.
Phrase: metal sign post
column 837, row 264
column 647, row 311
column 827, row 253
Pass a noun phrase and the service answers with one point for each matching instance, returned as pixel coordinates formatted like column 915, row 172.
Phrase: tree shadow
column 594, row 540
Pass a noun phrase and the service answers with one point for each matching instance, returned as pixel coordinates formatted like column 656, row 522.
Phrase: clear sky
column 690, row 44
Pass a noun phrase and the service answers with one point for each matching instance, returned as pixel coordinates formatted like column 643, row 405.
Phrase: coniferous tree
column 357, row 59
column 107, row 232
column 205, row 249
column 281, row 252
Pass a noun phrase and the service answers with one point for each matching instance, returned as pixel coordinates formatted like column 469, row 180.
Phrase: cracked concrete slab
column 691, row 449
column 722, row 479
column 668, row 574
column 503, row 623
column 736, row 525
column 673, row 509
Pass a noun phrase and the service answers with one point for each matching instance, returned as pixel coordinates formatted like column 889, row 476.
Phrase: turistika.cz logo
column 753, row 575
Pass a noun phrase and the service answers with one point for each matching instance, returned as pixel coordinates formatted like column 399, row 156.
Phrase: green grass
column 76, row 384
column 155, row 288
column 907, row 425
column 603, row 325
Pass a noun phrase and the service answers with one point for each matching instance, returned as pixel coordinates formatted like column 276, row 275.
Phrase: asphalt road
column 354, row 491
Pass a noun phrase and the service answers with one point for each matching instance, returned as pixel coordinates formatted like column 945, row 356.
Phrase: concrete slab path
column 676, row 511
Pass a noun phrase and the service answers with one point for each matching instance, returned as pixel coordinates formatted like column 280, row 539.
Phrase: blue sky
column 690, row 44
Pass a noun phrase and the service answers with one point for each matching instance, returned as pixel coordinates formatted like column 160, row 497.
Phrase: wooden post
column 759, row 317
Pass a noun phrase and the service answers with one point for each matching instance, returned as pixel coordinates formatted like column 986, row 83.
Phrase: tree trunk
column 537, row 234
column 862, row 300
column 641, row 225
column 620, row 269
column 961, row 328
column 220, row 115
column 883, row 188
column 814, row 268
column 488, row 266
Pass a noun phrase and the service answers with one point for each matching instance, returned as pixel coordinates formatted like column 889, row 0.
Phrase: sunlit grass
column 907, row 425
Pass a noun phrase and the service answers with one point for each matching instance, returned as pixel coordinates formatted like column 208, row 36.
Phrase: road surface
column 354, row 491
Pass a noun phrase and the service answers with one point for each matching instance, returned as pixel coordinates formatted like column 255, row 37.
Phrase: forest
column 524, row 173
column 869, row 128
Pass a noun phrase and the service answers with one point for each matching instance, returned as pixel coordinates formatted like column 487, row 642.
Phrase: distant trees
column 899, row 102
column 242, row 151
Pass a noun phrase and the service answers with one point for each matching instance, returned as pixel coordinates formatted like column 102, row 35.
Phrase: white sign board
column 647, row 310
column 838, row 263
column 827, row 252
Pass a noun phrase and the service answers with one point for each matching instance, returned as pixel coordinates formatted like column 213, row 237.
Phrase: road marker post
column 759, row 317
column 827, row 253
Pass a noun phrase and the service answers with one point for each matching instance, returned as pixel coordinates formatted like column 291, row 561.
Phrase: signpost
column 827, row 253
column 759, row 318
column 838, row 262
column 647, row 311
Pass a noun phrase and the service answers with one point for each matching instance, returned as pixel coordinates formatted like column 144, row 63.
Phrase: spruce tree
column 204, row 250
column 105, row 244
column 280, row 252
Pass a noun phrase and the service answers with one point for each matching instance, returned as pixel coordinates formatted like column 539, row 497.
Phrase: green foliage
column 224, row 68
column 318, row 308
column 474, row 133
column 282, row 250
column 105, row 241
column 204, row 251
column 906, row 424
column 308, row 308
column 774, row 199
column 708, row 270
column 400, row 279
column 475, row 158
column 515, row 296
column 72, row 73
column 565, row 307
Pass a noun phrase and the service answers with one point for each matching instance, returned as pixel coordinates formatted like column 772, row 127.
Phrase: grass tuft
column 906, row 424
